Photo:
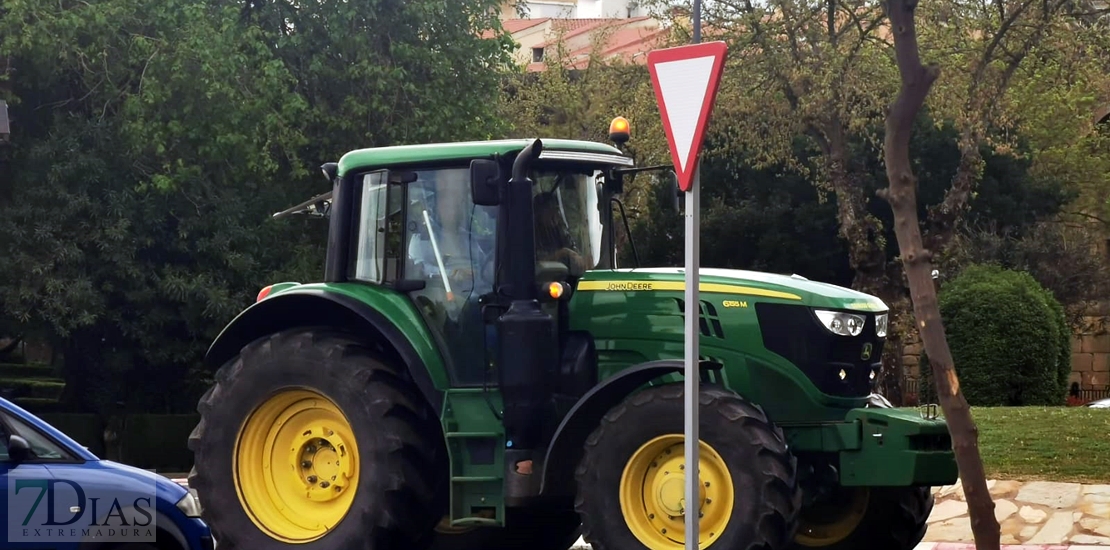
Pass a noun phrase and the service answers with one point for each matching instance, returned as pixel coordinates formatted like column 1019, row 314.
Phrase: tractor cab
column 465, row 229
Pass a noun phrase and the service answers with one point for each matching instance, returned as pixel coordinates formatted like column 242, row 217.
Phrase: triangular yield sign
column 685, row 81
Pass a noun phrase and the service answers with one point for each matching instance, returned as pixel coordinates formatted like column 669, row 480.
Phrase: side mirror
column 485, row 182
column 614, row 181
column 547, row 272
column 330, row 170
column 19, row 449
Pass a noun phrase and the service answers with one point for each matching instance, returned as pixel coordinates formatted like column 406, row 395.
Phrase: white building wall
column 589, row 9
column 540, row 8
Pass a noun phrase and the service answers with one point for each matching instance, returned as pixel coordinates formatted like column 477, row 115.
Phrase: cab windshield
column 567, row 220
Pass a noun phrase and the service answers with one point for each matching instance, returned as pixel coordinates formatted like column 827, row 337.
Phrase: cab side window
column 451, row 245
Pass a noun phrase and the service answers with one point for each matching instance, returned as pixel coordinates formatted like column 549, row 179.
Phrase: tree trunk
column 866, row 249
column 902, row 196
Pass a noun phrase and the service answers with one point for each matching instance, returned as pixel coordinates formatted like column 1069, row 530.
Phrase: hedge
column 149, row 441
column 21, row 370
column 1009, row 338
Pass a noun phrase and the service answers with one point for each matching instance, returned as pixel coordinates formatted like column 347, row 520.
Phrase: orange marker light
column 619, row 130
column 264, row 293
column 555, row 290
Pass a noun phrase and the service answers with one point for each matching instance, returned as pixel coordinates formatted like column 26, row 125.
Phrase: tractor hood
column 754, row 284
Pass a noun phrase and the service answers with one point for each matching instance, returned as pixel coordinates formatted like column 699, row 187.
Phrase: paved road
column 581, row 544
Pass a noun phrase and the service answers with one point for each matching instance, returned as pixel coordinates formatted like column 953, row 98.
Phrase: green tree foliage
column 1009, row 338
column 773, row 219
column 1057, row 255
column 153, row 139
column 387, row 72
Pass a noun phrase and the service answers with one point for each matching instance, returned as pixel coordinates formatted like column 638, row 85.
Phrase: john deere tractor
column 475, row 372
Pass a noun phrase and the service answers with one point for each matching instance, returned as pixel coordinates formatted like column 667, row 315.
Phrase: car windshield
column 567, row 219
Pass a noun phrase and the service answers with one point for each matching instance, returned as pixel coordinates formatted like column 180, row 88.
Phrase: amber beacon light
column 619, row 131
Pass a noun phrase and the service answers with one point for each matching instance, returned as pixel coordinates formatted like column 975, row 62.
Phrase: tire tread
column 398, row 516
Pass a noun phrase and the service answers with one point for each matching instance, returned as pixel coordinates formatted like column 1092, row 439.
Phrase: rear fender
column 304, row 307
column 566, row 446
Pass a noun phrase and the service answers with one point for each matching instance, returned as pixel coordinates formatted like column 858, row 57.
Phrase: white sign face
column 685, row 80
column 683, row 85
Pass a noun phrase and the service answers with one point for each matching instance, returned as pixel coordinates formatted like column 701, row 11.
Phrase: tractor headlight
column 839, row 322
column 881, row 321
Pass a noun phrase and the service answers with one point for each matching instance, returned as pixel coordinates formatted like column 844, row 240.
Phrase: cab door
column 418, row 230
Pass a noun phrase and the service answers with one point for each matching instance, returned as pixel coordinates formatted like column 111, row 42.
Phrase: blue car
column 60, row 496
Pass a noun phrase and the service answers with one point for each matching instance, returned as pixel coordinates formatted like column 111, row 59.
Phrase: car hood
column 166, row 487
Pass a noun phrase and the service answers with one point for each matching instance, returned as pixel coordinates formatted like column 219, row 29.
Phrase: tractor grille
column 794, row 332
column 708, row 321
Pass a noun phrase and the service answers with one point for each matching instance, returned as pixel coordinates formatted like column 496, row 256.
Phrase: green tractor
column 475, row 372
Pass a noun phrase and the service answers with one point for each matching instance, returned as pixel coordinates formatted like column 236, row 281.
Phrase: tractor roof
column 381, row 157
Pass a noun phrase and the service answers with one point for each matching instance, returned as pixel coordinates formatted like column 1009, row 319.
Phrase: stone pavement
column 1031, row 513
column 1036, row 515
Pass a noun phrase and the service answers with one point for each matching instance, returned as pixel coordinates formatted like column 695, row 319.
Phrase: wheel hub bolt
column 312, row 479
column 310, row 449
column 325, row 485
column 306, row 464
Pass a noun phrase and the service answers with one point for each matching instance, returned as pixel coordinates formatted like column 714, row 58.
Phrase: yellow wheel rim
column 831, row 522
column 296, row 466
column 653, row 487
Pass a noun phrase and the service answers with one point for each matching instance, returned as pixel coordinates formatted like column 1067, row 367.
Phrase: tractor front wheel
column 309, row 440
column 634, row 462
column 884, row 518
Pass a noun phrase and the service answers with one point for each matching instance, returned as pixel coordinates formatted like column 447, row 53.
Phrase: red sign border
column 717, row 50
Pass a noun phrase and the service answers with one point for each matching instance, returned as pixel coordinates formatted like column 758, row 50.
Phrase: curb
column 971, row 546
column 581, row 545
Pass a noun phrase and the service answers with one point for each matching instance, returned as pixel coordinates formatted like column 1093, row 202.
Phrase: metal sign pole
column 693, row 331
column 693, row 378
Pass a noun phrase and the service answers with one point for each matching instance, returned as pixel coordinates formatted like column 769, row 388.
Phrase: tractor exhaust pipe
column 528, row 341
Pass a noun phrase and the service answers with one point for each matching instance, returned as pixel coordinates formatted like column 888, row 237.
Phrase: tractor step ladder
column 476, row 454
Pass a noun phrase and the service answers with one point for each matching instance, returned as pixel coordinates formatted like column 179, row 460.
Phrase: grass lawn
column 1044, row 443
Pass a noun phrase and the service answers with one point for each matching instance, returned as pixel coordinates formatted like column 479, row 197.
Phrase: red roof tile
column 517, row 25
column 576, row 27
column 630, row 44
column 513, row 26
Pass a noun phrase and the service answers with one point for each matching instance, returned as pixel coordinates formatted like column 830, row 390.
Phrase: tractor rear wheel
column 884, row 518
column 533, row 529
column 634, row 462
column 310, row 440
